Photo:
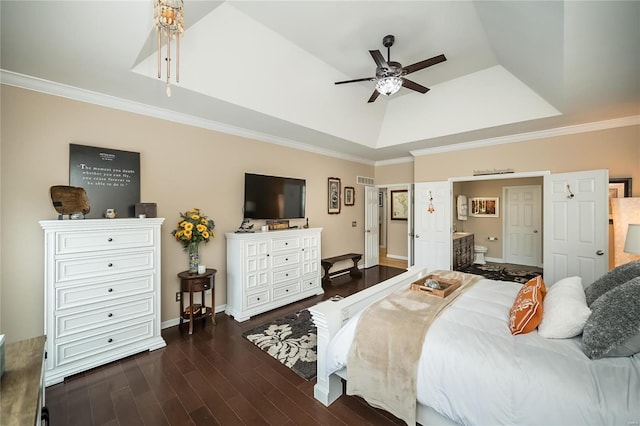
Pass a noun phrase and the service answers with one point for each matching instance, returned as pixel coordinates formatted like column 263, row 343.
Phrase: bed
column 472, row 370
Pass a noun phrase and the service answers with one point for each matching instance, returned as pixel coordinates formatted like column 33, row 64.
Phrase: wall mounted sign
column 110, row 177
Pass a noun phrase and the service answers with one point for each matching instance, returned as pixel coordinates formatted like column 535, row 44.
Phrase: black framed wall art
column 110, row 177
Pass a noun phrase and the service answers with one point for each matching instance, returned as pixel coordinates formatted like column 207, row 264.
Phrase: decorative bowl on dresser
column 102, row 292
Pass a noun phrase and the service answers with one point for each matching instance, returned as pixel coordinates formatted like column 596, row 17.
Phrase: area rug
column 292, row 340
column 500, row 273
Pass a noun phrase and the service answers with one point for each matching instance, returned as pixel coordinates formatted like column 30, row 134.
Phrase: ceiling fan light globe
column 389, row 85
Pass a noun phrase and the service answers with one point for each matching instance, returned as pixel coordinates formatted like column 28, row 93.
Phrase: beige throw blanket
column 382, row 363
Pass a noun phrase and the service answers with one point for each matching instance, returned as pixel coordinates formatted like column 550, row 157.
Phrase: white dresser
column 102, row 292
column 266, row 270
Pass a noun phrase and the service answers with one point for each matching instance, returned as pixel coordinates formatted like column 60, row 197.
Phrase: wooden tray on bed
column 447, row 286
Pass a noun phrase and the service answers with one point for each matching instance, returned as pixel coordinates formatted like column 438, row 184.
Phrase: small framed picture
column 399, row 205
column 484, row 207
column 618, row 188
column 349, row 195
column 333, row 195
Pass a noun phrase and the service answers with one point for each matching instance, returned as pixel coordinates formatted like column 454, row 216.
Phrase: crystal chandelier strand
column 177, row 59
column 168, row 58
column 159, row 54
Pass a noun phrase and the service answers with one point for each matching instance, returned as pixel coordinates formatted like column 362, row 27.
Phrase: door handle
column 417, row 236
column 368, row 230
column 599, row 252
column 535, row 231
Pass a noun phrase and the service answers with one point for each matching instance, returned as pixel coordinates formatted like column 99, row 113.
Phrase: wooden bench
column 328, row 263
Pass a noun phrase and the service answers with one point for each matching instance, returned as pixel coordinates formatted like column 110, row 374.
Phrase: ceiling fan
column 390, row 74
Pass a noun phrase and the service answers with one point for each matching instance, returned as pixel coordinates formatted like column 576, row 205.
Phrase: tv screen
column 273, row 197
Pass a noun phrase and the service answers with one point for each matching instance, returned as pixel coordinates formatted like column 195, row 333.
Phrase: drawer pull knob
column 286, row 275
column 110, row 290
column 286, row 259
column 286, row 291
column 110, row 340
column 257, row 298
column 110, row 239
column 110, row 265
column 110, row 315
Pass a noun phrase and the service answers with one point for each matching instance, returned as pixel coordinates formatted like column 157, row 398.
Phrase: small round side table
column 193, row 283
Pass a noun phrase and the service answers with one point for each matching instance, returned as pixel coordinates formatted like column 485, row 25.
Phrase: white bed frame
column 329, row 317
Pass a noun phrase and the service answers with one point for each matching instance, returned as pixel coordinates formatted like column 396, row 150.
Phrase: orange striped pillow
column 526, row 312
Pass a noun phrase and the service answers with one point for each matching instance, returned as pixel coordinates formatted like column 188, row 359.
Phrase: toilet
column 480, row 251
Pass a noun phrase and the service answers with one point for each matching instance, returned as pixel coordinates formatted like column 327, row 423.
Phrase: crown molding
column 395, row 161
column 74, row 93
column 633, row 120
column 70, row 92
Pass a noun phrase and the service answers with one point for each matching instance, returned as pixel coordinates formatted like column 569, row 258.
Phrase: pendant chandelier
column 168, row 17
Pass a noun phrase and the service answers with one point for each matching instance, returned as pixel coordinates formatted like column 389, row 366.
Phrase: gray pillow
column 614, row 324
column 615, row 277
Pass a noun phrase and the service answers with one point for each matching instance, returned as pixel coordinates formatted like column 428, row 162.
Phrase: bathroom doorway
column 495, row 233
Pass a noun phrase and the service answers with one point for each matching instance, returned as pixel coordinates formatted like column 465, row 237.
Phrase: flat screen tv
column 273, row 197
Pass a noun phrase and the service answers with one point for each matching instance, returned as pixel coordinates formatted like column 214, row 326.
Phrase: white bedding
column 473, row 371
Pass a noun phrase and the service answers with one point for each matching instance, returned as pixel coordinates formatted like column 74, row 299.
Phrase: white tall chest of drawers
column 266, row 270
column 102, row 292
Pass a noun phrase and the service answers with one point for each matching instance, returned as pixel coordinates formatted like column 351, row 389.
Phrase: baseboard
column 395, row 256
column 176, row 321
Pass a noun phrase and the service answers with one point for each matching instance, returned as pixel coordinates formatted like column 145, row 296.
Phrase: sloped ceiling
column 266, row 69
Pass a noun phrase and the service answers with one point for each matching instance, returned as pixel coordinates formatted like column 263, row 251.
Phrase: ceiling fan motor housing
column 394, row 70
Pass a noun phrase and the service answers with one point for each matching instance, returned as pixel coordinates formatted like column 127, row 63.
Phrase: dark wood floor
column 212, row 377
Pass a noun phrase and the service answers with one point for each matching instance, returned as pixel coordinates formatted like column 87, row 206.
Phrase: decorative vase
column 194, row 258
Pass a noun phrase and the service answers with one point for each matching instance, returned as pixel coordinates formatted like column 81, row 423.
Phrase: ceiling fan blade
column 423, row 64
column 374, row 96
column 414, row 86
column 356, row 80
column 379, row 59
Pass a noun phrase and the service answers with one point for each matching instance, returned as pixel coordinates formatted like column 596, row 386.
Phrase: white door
column 576, row 225
column 522, row 225
column 432, row 225
column 371, row 226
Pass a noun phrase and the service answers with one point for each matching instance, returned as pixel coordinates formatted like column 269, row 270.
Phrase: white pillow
column 564, row 310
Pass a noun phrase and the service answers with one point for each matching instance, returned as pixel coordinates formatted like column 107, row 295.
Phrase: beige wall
column 181, row 167
column 615, row 149
column 396, row 173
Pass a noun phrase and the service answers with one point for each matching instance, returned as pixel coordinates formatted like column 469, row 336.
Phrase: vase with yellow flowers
column 193, row 228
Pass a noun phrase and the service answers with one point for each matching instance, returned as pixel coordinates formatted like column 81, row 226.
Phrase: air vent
column 365, row 180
